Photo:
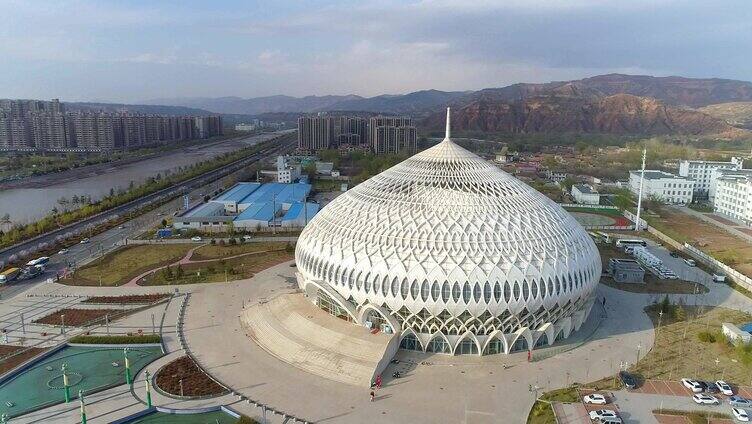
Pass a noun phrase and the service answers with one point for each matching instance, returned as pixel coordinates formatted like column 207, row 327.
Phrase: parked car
column 703, row 399
column 740, row 414
column 595, row 399
column 740, row 402
column 724, row 387
column 609, row 420
column 196, row 238
column 692, row 385
column 602, row 413
column 674, row 254
column 709, row 387
column 690, row 262
column 62, row 251
column 628, row 380
column 85, row 241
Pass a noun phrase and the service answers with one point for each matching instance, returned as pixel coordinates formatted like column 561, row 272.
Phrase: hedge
column 114, row 340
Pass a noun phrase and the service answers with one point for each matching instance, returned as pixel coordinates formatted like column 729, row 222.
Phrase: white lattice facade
column 454, row 254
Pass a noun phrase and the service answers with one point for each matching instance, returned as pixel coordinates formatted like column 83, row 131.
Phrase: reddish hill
column 569, row 110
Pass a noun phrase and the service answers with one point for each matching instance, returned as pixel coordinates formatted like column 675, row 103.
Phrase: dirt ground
column 8, row 362
column 195, row 381
column 713, row 240
column 76, row 317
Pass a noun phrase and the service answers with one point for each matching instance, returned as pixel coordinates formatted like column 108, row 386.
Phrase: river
column 26, row 205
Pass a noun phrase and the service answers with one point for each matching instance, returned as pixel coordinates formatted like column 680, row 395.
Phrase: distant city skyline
column 134, row 51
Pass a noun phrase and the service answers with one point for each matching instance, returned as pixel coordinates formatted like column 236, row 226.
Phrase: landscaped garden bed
column 694, row 417
column 119, row 339
column 78, row 317
column 195, row 382
column 13, row 356
column 120, row 266
column 128, row 299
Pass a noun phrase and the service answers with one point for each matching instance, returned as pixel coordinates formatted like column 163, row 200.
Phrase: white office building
column 701, row 171
column 585, row 194
column 662, row 186
column 733, row 196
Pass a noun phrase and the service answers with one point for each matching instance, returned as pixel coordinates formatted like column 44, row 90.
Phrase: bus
column 38, row 261
column 630, row 242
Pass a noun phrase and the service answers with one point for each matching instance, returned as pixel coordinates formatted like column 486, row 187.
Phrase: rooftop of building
column 237, row 193
column 585, row 189
column 653, row 174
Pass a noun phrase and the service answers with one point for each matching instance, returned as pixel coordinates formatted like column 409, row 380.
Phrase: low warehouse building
column 626, row 270
column 252, row 206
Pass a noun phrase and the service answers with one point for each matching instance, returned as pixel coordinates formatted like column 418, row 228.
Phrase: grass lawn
column 695, row 417
column 678, row 351
column 718, row 243
column 652, row 283
column 542, row 413
column 608, row 212
column 215, row 251
column 119, row 266
column 219, row 271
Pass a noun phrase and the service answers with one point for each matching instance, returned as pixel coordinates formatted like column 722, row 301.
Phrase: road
column 24, row 249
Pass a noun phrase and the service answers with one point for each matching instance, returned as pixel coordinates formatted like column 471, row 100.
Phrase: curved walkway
column 187, row 260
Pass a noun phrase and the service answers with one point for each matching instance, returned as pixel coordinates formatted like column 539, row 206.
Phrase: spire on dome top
column 448, row 126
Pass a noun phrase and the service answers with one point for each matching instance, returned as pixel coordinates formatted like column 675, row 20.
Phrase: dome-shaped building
column 453, row 254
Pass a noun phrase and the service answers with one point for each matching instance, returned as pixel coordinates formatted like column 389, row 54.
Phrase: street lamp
column 639, row 346
column 62, row 322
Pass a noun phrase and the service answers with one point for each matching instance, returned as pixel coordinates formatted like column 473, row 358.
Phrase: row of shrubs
column 114, row 340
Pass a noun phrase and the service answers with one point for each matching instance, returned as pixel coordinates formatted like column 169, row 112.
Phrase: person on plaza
column 378, row 381
column 372, row 395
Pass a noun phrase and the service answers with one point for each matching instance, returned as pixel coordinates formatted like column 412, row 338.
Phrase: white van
column 690, row 262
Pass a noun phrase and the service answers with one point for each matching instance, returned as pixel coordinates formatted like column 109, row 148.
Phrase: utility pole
column 639, row 195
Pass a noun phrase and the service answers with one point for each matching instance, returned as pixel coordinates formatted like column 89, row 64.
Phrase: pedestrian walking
column 372, row 395
column 604, row 301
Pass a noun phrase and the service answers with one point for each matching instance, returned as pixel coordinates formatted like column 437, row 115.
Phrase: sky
column 138, row 50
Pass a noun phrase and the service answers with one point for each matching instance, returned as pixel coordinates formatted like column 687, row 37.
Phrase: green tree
column 167, row 273
column 179, row 271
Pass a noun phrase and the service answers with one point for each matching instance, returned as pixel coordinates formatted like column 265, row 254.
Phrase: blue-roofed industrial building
column 252, row 206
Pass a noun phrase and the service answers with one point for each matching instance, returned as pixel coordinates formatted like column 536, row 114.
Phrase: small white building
column 245, row 127
column 287, row 172
column 701, row 171
column 733, row 196
column 585, row 194
column 663, row 186
column 735, row 334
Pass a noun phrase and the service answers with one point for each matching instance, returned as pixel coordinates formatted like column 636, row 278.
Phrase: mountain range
column 613, row 103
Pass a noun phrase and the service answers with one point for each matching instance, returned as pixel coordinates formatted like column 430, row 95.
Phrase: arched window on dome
column 495, row 346
column 425, row 288
column 487, row 292
column 525, row 290
column 414, row 290
column 351, row 279
column 410, row 342
column 476, row 293
column 438, row 345
column 557, row 287
column 395, row 287
column 376, row 284
column 550, row 291
column 519, row 345
column 534, row 288
column 359, row 280
column 467, row 347
column 507, row 292
column 385, row 286
column 367, row 283
column 497, row 292
column 405, row 289
column 466, row 292
column 445, row 292
column 516, row 290
column 542, row 341
column 435, row 291
column 456, row 292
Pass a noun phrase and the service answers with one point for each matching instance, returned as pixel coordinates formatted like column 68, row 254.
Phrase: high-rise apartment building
column 392, row 134
column 350, row 131
column 733, row 195
column 33, row 125
column 315, row 132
